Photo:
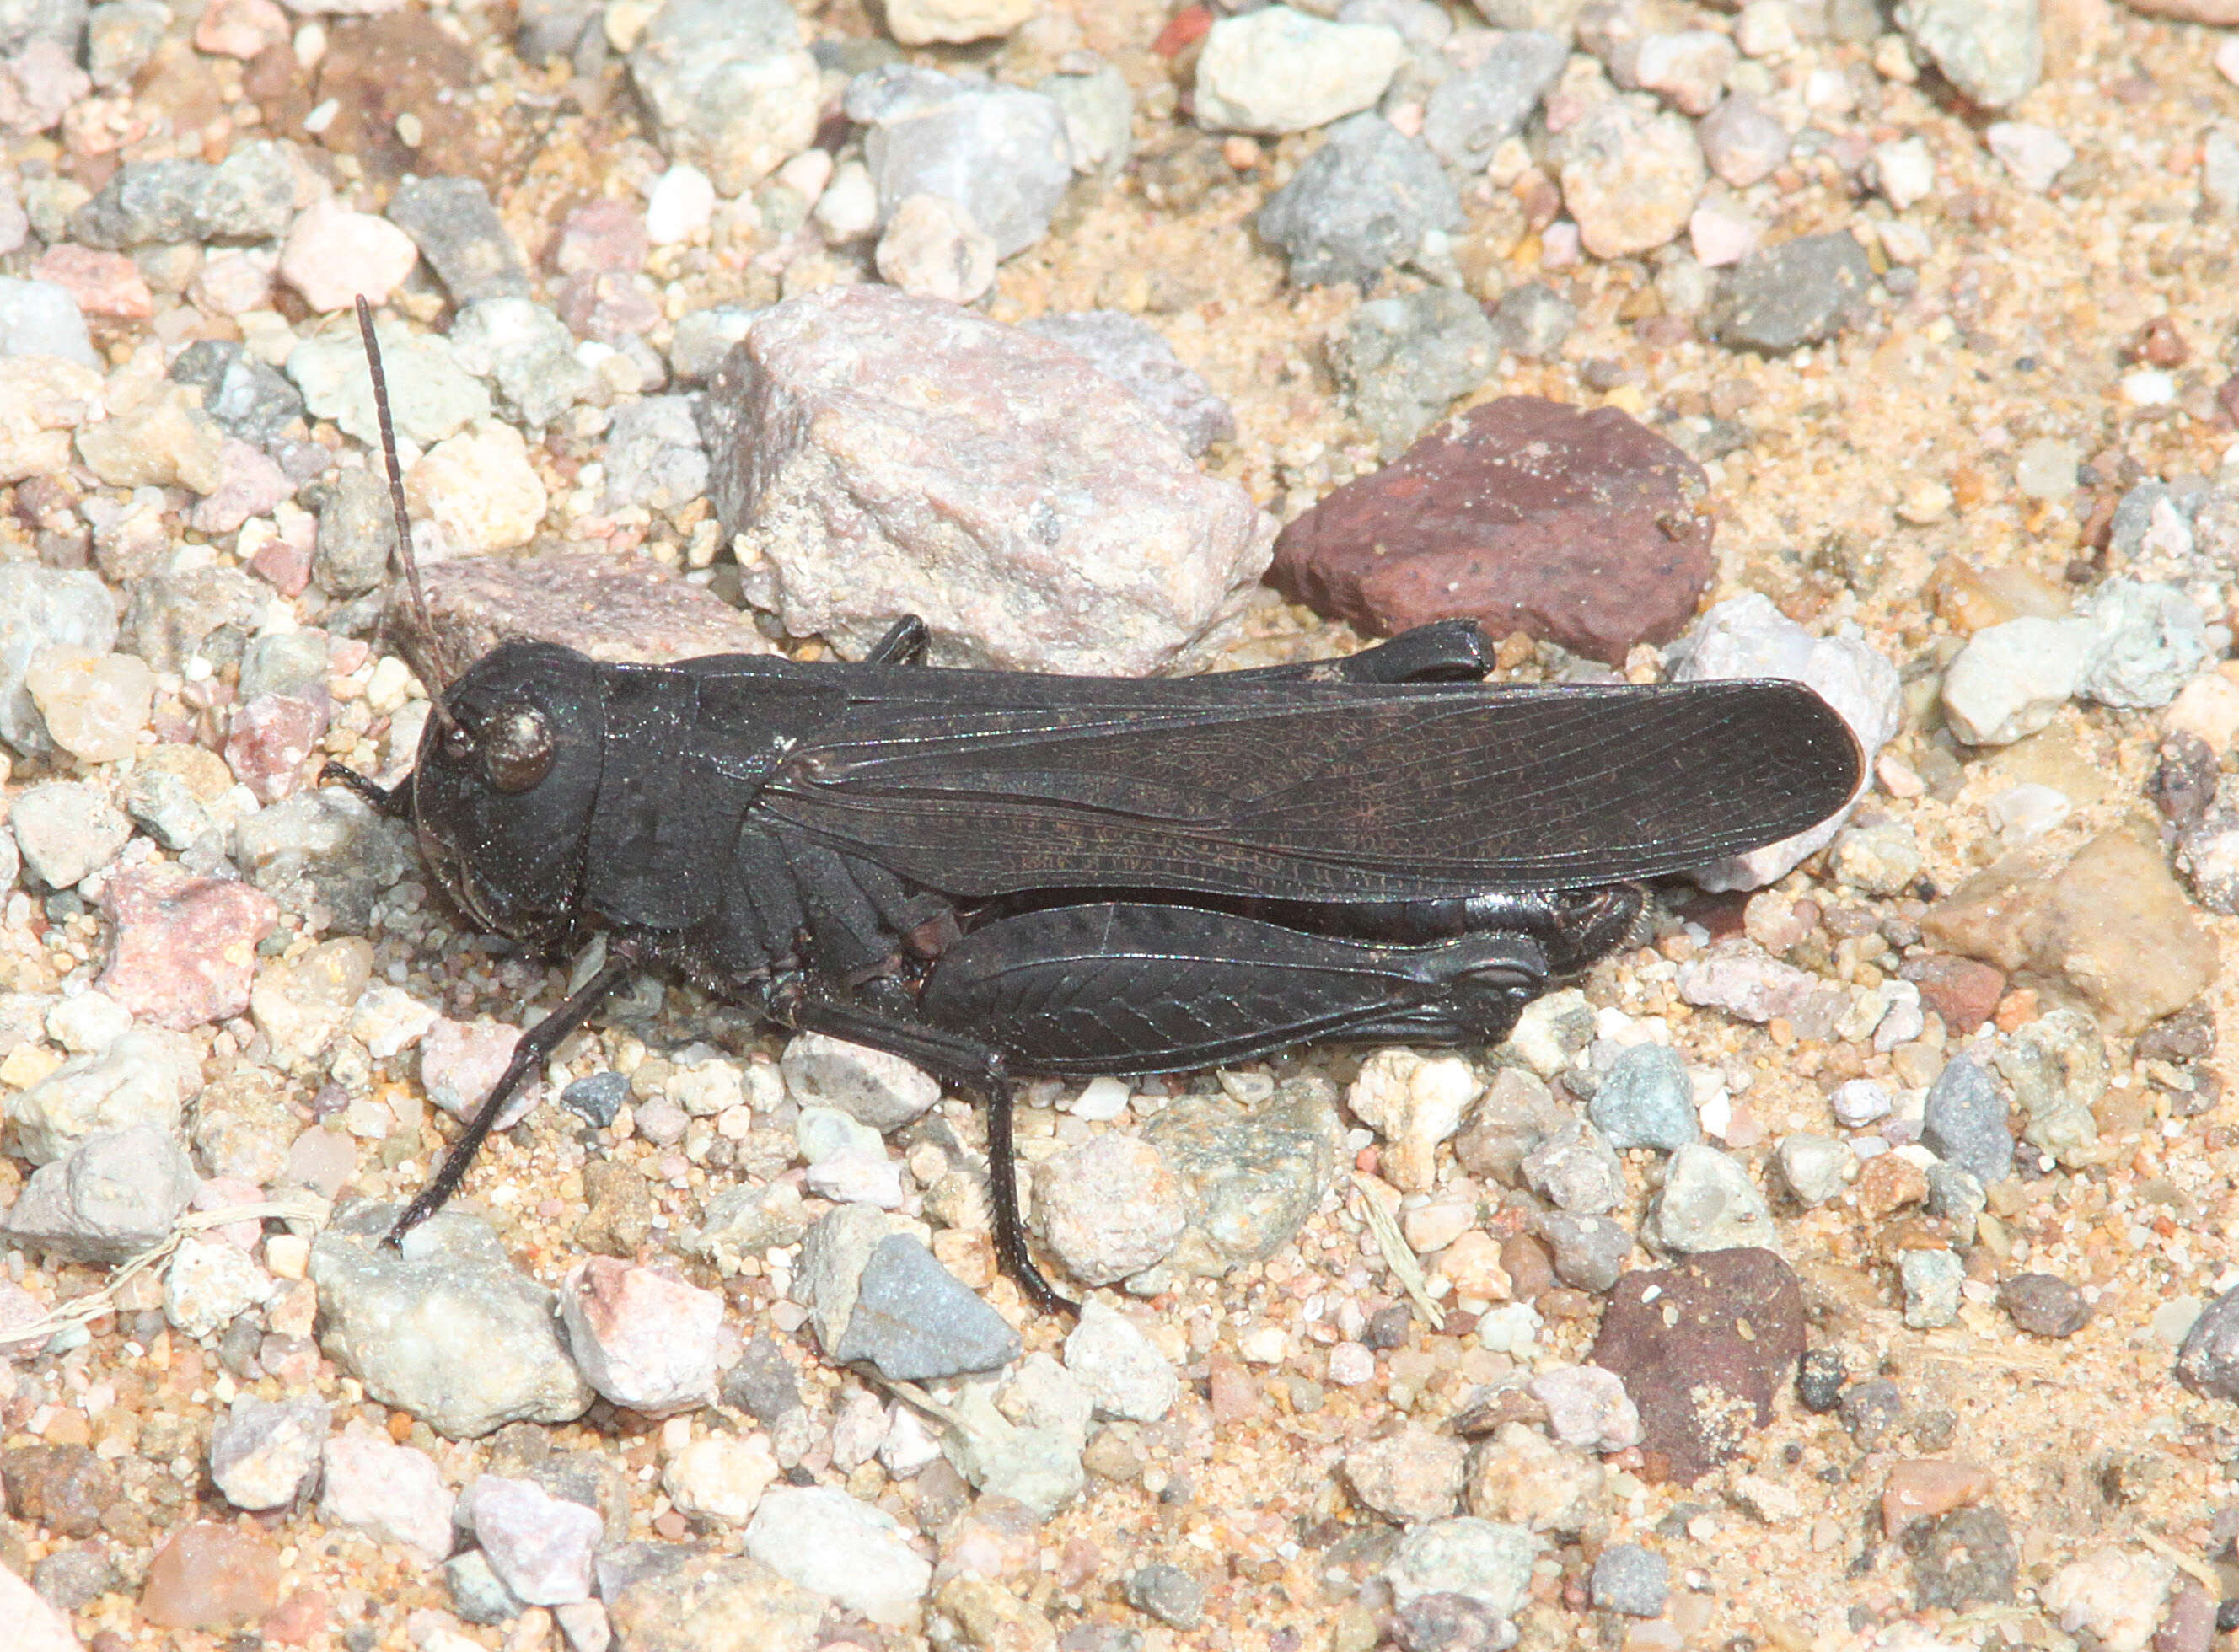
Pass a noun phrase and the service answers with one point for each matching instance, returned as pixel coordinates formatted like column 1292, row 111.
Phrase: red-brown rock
column 1960, row 990
column 1703, row 1347
column 64, row 1489
column 1583, row 529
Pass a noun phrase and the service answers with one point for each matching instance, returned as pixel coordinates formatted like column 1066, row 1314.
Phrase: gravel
column 1954, row 409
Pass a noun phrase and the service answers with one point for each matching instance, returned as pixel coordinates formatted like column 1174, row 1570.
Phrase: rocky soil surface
column 1851, row 1263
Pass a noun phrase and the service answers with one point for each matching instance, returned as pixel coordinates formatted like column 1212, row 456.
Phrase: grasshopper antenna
column 404, row 516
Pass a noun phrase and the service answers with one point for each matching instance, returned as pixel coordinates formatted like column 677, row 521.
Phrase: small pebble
column 1647, row 1099
column 681, row 207
column 1276, row 70
column 1630, row 181
column 66, row 831
column 540, row 1546
column 2044, row 1304
column 1930, row 1281
column 822, row 1539
column 1632, row 1579
column 262, row 1452
column 1122, row 1370
column 641, row 1338
column 729, row 87
column 332, row 256
column 1359, row 204
column 210, row 1576
column 1709, row 1203
column 391, row 1492
column 1964, row 1122
column 1167, row 1592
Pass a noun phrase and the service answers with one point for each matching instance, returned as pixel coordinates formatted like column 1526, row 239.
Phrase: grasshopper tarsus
column 393, row 802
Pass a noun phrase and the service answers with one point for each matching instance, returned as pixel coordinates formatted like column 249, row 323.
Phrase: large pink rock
column 881, row 455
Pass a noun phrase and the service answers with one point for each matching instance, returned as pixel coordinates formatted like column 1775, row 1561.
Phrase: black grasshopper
column 993, row 873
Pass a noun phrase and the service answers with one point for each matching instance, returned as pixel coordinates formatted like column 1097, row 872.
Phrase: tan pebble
column 1887, row 1184
column 2208, row 707
column 1922, row 1486
column 1471, row 1265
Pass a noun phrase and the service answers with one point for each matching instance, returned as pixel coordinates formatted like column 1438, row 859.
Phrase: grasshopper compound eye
column 519, row 750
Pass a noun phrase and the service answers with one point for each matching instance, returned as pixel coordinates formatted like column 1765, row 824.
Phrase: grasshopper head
column 503, row 792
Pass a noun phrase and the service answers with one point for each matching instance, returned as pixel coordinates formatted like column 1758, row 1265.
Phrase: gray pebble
column 1489, row 1561
column 73, row 1577
column 112, row 1196
column 40, row 607
column 1743, row 140
column 999, row 152
column 1590, row 1251
column 249, row 196
column 597, row 1099
column 1816, row 1168
column 143, row 202
column 1646, row 1099
column 1167, row 1592
column 248, row 399
column 444, row 1328
column 1993, row 52
column 211, row 612
column 326, row 847
column 121, row 36
column 262, row 1451
column 916, row 1323
column 704, row 338
column 478, row 1594
column 1123, row 1370
column 65, row 829
column 430, row 395
column 746, row 1221
column 762, row 1383
column 1532, row 321
column 286, row 662
column 2044, row 1304
column 728, row 87
column 523, row 352
column 1931, row 1281
column 2152, row 638
column 1871, row 1409
column 1708, row 1203
column 1255, row 1175
column 1404, row 360
column 1957, row 1196
column 1130, row 350
column 1098, row 108
column 42, row 318
column 1963, row 1122
column 1359, row 204
column 1575, row 1169
column 1472, row 113
column 1631, row 1580
column 2207, row 1363
column 822, row 1538
column 357, row 533
column 1796, row 293
column 461, row 235
column 654, row 457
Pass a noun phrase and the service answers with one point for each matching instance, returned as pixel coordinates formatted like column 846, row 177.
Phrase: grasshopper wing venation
column 984, row 784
